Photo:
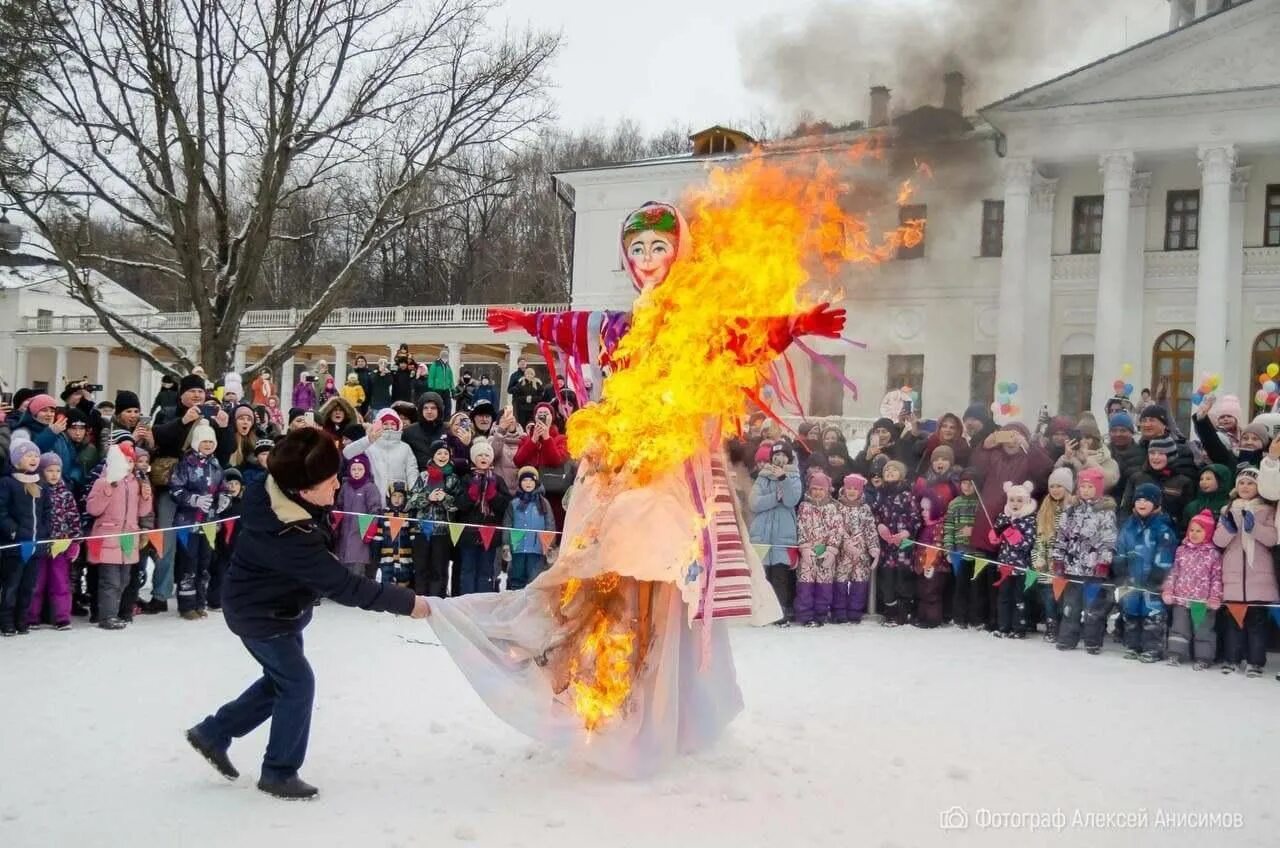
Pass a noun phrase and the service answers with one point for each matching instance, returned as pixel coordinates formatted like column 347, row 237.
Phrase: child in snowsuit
column 897, row 514
column 146, row 521
column 24, row 517
column 224, row 542
column 196, row 487
column 957, row 529
column 934, row 491
column 857, row 555
column 53, row 577
column 434, row 499
column 528, row 516
column 1196, row 576
column 482, row 502
column 1082, row 552
column 116, row 502
column 394, row 539
column 1015, row 528
column 775, row 494
column 352, row 391
column 1214, row 493
column 1246, row 533
column 359, row 495
column 821, row 533
column 1049, row 517
column 1144, row 555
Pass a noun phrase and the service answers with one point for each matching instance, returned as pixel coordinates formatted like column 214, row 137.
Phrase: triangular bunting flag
column 395, row 524
column 128, row 544
column 486, row 535
column 819, row 549
column 548, row 538
column 156, row 538
column 95, row 550
column 228, row 527
column 1091, row 591
column 957, row 561
column 1238, row 612
column 978, row 564
column 1030, row 581
column 184, row 536
column 455, row 531
column 1059, row 586
column 906, row 543
column 364, row 522
column 1006, row 571
column 59, row 547
column 517, row 536
column 1198, row 609
column 426, row 528
column 210, row 532
column 762, row 550
column 28, row 550
column 335, row 518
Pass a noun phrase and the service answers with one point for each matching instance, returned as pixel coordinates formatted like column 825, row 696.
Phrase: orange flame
column 607, row 652
column 758, row 230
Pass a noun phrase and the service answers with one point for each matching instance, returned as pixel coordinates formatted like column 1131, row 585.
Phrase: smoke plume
column 825, row 64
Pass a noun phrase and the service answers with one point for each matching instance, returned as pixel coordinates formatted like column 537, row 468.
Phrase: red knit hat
column 764, row 452
column 1092, row 474
column 1205, row 521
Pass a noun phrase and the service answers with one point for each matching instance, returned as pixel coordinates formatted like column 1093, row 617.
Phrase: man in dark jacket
column 429, row 427
column 281, row 565
column 1154, row 424
column 365, row 379
column 1125, row 450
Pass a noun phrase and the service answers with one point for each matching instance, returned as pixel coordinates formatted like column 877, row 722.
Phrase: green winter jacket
column 440, row 377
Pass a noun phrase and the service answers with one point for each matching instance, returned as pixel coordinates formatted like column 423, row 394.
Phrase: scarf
column 436, row 473
column 1238, row 508
column 483, row 489
column 30, row 483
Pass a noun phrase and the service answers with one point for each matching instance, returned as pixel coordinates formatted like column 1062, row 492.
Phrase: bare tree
column 218, row 130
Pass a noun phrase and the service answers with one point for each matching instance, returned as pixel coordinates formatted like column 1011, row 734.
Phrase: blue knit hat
column 1121, row 419
column 20, row 448
column 1148, row 492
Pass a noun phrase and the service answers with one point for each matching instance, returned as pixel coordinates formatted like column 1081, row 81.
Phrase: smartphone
column 310, row 418
column 6, row 398
column 144, row 421
column 1074, row 435
column 908, row 406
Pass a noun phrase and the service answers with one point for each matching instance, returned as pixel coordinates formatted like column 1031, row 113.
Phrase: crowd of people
column 1002, row 530
column 956, row 521
column 441, row 493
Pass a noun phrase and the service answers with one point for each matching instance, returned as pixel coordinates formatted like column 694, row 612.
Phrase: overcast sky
column 699, row 62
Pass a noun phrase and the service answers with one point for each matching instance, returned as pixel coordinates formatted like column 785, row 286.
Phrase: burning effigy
column 619, row 651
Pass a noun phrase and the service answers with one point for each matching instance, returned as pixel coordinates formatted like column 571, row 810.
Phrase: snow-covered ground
column 854, row 736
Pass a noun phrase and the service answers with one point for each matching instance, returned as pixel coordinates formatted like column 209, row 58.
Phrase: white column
column 391, row 355
column 1216, row 165
column 285, row 389
column 515, row 350
column 455, row 357
column 340, row 364
column 20, row 367
column 1237, row 375
column 1013, row 275
column 59, row 370
column 1135, row 348
column 146, row 393
column 104, row 372
column 239, row 357
column 1034, row 385
column 1109, row 322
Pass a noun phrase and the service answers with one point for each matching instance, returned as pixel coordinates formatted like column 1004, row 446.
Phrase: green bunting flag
column 819, row 549
column 363, row 522
column 762, row 551
column 517, row 536
column 127, row 544
column 906, row 543
column 1197, row 610
column 978, row 564
column 1032, row 575
column 455, row 531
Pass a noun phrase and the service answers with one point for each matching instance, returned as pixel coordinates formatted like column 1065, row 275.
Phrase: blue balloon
column 1013, row 388
column 1196, row 398
column 1128, row 388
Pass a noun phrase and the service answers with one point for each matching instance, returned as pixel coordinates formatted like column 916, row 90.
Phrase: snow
column 851, row 736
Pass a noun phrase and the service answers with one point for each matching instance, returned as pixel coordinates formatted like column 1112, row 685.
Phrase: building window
column 826, row 396
column 1086, row 224
column 1075, row 383
column 1266, row 350
column 992, row 227
column 1173, row 363
column 907, row 370
column 1271, row 236
column 982, row 379
column 44, row 320
column 913, row 212
column 1182, row 220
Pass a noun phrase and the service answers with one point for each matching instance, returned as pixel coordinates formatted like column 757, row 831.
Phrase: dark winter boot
column 293, row 789
column 1051, row 631
column 218, row 759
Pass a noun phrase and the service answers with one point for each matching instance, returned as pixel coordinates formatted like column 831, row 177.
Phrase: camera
column 311, row 378
column 92, row 387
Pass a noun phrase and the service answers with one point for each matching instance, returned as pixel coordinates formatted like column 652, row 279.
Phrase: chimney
column 953, row 92
column 879, row 106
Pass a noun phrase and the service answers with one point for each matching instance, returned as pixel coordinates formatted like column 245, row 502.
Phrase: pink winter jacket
column 116, row 508
column 1196, row 575
column 1248, row 574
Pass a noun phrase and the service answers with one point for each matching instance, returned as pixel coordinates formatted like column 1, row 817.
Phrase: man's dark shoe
column 218, row 759
column 293, row 789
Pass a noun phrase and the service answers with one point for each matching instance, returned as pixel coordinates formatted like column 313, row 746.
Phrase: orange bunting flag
column 228, row 528
column 394, row 525
column 1059, row 586
column 548, row 538
column 1238, row 612
column 156, row 538
column 486, row 535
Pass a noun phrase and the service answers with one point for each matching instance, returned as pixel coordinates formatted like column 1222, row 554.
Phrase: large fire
column 758, row 231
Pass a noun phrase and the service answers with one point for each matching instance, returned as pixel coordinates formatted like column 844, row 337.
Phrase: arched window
column 1173, row 359
column 1266, row 350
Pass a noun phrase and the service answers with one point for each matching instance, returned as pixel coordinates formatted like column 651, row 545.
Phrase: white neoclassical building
column 1127, row 212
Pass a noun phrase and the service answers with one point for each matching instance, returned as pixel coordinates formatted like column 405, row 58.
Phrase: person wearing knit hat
column 1174, row 489
column 1062, row 476
column 1164, row 445
column 781, row 448
column 527, row 472
column 527, row 518
column 483, row 503
column 1144, row 554
column 1057, row 431
column 1196, row 577
column 435, row 498
column 1082, row 551
column 192, row 383
column 858, row 551
column 393, row 460
column 820, row 531
column 127, row 400
column 1015, row 528
column 482, row 449
column 775, row 494
column 897, row 513
column 49, row 460
column 298, row 418
column 19, row 449
column 1048, row 517
column 934, row 490
column 232, row 387
column 762, row 454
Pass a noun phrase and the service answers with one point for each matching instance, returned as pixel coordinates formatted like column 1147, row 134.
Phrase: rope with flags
column 129, row 539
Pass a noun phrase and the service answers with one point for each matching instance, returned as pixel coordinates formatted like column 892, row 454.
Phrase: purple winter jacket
column 351, row 546
column 304, row 395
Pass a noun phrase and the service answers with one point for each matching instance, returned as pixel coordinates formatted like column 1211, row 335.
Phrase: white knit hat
column 481, row 447
column 202, row 432
column 1063, row 477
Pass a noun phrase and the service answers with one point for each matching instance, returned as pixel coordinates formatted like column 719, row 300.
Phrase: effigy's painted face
column 649, row 256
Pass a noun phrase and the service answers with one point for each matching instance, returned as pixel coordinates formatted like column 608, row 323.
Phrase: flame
column 606, row 651
column 758, row 231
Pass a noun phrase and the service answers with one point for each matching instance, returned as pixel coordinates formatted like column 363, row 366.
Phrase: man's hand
column 1275, row 448
column 373, row 431
column 507, row 422
column 421, row 607
column 436, row 496
column 192, row 413
column 221, row 419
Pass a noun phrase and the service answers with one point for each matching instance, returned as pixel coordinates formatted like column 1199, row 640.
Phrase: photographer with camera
column 403, row 375
column 78, row 395
column 304, row 392
column 464, row 394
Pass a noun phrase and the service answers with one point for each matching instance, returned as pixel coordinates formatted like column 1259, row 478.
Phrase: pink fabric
column 116, row 509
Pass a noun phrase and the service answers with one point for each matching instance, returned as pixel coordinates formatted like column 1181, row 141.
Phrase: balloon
column 1196, row 398
column 1015, row 410
column 1215, row 381
column 1118, row 385
column 1269, row 386
column 1126, row 369
column 1273, row 369
column 1013, row 388
column 1004, row 409
column 1002, row 387
column 1260, row 398
column 1128, row 388
column 1262, row 378
column 1272, row 398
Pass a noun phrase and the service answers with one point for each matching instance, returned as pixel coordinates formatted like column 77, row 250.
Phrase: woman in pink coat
column 116, row 502
column 1247, row 533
